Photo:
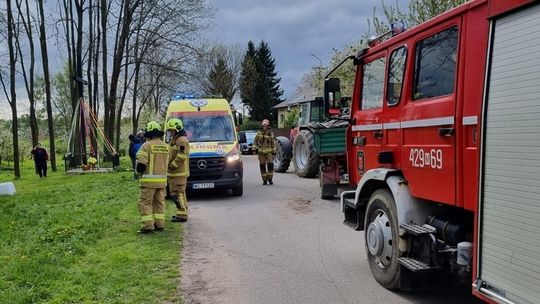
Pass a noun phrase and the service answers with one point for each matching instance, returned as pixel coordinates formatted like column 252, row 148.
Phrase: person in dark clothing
column 135, row 143
column 40, row 156
column 132, row 154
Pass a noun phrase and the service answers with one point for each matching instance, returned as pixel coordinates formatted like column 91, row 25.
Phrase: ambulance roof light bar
column 182, row 96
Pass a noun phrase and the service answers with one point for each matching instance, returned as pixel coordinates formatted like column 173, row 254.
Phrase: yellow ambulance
column 214, row 157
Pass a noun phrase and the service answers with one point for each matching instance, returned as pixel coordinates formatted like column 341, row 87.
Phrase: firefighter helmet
column 266, row 122
column 153, row 126
column 175, row 124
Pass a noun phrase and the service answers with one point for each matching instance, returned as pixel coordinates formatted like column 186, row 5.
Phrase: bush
column 250, row 125
column 291, row 120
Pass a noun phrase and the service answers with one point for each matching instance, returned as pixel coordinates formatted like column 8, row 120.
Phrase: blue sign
column 184, row 96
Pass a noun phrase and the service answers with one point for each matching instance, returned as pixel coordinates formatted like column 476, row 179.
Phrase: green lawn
column 72, row 239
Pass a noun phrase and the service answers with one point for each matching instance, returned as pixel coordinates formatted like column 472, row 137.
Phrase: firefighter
column 152, row 159
column 265, row 143
column 178, row 168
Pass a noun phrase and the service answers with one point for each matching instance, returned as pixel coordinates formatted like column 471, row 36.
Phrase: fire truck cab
column 443, row 148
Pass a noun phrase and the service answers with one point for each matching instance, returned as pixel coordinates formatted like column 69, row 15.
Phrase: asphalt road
column 282, row 244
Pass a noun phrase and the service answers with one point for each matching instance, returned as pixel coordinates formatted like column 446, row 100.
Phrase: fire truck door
column 428, row 119
column 508, row 257
column 367, row 132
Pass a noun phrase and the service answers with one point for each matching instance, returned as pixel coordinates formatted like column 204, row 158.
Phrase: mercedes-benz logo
column 201, row 164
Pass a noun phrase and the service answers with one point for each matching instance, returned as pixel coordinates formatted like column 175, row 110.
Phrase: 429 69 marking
column 421, row 158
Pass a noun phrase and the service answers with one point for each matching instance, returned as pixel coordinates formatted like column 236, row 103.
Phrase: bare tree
column 126, row 83
column 218, row 72
column 146, row 36
column 47, row 79
column 163, row 47
column 12, row 96
column 127, row 12
column 26, row 20
column 103, row 16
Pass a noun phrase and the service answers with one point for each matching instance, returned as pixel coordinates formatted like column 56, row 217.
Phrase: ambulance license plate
column 203, row 186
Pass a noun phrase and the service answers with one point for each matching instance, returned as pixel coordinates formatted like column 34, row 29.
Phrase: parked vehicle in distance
column 245, row 139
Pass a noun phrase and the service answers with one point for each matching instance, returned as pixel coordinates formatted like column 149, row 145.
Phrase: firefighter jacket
column 155, row 155
column 265, row 142
column 179, row 156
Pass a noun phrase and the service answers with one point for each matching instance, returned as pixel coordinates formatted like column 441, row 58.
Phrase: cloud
column 23, row 104
column 294, row 30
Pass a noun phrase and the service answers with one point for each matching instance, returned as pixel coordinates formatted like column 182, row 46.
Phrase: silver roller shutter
column 510, row 216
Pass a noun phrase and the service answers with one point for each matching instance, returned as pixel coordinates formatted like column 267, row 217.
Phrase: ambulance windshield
column 208, row 128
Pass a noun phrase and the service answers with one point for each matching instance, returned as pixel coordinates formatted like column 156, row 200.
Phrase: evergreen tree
column 267, row 91
column 249, row 76
column 221, row 80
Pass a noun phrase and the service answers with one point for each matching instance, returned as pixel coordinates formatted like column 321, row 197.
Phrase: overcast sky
column 293, row 29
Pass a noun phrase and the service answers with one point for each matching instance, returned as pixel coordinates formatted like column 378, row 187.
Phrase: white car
column 246, row 138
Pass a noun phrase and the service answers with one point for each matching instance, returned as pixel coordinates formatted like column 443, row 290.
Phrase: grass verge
column 72, row 239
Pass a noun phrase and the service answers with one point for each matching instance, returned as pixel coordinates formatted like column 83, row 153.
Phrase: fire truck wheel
column 381, row 239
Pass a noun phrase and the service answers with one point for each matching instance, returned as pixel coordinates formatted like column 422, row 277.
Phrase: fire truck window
column 396, row 70
column 435, row 65
column 373, row 84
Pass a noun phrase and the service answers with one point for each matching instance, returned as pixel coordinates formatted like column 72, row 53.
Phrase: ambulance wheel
column 238, row 190
column 382, row 239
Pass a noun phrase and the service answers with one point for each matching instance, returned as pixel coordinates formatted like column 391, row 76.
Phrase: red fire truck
column 443, row 150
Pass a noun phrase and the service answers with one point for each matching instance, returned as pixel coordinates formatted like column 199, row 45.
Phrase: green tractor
column 315, row 140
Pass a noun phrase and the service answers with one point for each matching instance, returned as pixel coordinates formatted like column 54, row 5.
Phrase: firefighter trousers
column 152, row 207
column 266, row 164
column 177, row 188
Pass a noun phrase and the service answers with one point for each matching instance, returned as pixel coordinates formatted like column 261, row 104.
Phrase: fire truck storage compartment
column 509, row 254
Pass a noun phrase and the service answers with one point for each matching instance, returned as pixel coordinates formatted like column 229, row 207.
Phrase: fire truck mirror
column 332, row 95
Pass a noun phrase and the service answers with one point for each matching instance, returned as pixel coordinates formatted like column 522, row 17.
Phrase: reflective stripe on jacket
column 265, row 142
column 155, row 155
column 179, row 156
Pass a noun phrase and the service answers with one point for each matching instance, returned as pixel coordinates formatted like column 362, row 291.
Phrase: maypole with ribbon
column 86, row 137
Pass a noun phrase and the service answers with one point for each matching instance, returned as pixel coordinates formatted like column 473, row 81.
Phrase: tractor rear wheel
column 305, row 158
column 282, row 160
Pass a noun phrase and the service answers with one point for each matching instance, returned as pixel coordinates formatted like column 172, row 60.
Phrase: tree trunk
column 90, row 54
column 121, row 35
column 28, row 74
column 46, row 76
column 134, row 115
column 96, row 58
column 105, row 74
column 13, row 101
column 70, row 44
column 31, row 96
column 80, row 30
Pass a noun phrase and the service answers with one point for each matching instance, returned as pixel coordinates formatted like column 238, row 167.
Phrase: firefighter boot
column 181, row 211
column 263, row 173
column 270, row 173
column 145, row 231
